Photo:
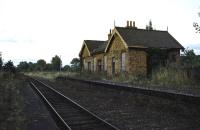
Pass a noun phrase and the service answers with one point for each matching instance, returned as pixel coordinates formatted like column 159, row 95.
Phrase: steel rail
column 66, row 127
column 112, row 127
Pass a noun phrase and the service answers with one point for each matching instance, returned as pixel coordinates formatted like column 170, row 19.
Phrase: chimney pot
column 127, row 24
column 131, row 24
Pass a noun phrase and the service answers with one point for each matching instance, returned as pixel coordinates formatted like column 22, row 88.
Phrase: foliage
column 170, row 76
column 1, row 63
column 9, row 67
column 41, row 65
column 75, row 64
column 190, row 59
column 23, row 66
column 48, row 67
column 149, row 27
column 66, row 68
column 56, row 63
column 196, row 25
column 11, row 102
column 49, row 74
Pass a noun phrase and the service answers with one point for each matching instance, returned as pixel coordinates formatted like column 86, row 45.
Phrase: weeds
column 49, row 75
column 11, row 102
column 163, row 76
column 170, row 76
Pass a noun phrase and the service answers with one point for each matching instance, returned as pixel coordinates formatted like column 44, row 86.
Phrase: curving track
column 68, row 114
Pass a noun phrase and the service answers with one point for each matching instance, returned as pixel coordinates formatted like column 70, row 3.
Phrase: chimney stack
column 127, row 24
column 134, row 24
column 131, row 24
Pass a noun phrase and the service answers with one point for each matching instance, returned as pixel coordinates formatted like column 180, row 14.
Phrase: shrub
column 170, row 76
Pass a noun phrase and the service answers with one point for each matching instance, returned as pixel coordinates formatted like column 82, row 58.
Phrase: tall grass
column 166, row 76
column 49, row 74
column 163, row 76
column 11, row 102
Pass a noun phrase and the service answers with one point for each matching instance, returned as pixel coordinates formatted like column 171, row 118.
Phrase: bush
column 170, row 76
column 9, row 67
column 11, row 102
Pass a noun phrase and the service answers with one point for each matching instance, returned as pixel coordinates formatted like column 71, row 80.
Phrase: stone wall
column 85, row 52
column 137, row 62
column 85, row 58
column 115, row 50
column 96, row 58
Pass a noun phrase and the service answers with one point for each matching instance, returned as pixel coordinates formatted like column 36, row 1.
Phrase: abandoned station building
column 130, row 50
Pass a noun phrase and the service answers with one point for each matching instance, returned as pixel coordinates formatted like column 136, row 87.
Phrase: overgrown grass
column 11, row 102
column 170, row 76
column 49, row 74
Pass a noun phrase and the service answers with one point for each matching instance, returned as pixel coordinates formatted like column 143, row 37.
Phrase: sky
column 40, row 29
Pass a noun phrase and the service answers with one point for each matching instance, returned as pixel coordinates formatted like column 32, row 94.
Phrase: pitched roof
column 148, row 38
column 95, row 46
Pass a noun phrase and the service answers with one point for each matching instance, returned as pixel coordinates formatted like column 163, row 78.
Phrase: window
column 89, row 66
column 113, row 65
column 84, row 64
column 94, row 64
column 99, row 65
column 123, row 61
column 105, row 63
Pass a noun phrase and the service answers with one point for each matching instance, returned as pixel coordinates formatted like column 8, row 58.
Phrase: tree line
column 40, row 65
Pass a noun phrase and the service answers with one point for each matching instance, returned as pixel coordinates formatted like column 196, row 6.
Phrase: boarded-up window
column 89, row 66
column 99, row 65
column 123, row 61
column 94, row 64
column 105, row 63
column 84, row 64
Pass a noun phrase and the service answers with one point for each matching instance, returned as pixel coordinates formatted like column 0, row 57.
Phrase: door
column 89, row 66
column 113, row 65
column 99, row 65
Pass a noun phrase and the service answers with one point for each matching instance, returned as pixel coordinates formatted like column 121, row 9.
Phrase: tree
column 56, row 63
column 9, row 67
column 190, row 59
column 196, row 25
column 49, row 67
column 32, row 66
column 66, row 68
column 149, row 27
column 1, row 63
column 75, row 64
column 41, row 65
column 23, row 66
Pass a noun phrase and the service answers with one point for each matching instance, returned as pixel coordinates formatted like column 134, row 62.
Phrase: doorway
column 113, row 65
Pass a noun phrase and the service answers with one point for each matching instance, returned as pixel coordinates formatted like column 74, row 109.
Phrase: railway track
column 68, row 114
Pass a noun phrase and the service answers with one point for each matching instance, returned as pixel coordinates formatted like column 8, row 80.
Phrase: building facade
column 130, row 50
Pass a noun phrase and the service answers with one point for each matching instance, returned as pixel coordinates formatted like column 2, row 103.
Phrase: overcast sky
column 40, row 29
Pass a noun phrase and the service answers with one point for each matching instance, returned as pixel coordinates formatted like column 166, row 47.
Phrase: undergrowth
column 11, row 102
